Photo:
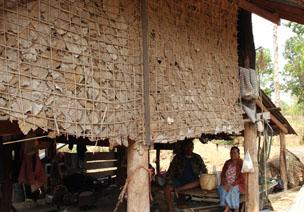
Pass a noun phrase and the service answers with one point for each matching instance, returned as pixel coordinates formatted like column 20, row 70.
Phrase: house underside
column 129, row 73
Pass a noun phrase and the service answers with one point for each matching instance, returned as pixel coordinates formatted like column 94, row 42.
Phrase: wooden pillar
column 139, row 183
column 121, row 165
column 283, row 166
column 157, row 160
column 6, row 182
column 252, row 187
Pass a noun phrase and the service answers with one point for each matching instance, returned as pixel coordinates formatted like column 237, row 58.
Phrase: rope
column 128, row 180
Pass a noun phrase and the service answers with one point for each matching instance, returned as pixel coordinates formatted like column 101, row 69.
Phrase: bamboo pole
column 283, row 166
column 252, row 188
column 138, row 178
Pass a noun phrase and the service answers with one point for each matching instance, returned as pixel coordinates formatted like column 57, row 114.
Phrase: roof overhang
column 274, row 10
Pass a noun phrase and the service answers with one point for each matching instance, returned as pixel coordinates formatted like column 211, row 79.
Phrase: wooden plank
column 72, row 139
column 201, row 208
column 272, row 117
column 286, row 11
column 100, row 156
column 244, row 4
column 201, row 193
column 102, row 174
column 99, row 165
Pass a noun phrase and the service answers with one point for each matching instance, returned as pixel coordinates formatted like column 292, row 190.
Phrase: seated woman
column 184, row 171
column 232, row 181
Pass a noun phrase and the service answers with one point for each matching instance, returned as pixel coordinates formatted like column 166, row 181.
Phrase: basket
column 208, row 181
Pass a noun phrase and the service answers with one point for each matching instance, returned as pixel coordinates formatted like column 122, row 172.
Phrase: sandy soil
column 281, row 202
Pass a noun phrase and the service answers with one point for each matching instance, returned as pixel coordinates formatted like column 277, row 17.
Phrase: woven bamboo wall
column 72, row 66
column 75, row 67
column 194, row 71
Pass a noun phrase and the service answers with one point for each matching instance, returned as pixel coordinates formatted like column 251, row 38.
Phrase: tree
column 276, row 69
column 296, row 28
column 294, row 69
column 264, row 67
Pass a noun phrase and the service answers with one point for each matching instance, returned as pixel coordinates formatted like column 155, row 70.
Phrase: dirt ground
column 212, row 154
column 281, row 202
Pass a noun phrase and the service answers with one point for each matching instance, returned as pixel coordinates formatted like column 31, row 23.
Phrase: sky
column 263, row 32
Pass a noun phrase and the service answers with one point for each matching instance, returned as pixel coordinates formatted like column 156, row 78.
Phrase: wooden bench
column 208, row 196
column 101, row 164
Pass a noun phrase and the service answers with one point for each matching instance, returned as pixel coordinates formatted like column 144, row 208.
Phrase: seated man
column 184, row 171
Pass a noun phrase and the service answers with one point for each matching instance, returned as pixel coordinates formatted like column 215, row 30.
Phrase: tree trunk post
column 139, row 183
column 283, row 167
column 252, row 187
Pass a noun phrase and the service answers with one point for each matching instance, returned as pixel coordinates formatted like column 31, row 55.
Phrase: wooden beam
column 8, row 128
column 252, row 189
column 146, row 72
column 272, row 117
column 284, row 10
column 157, row 161
column 247, row 59
column 165, row 146
column 138, row 178
column 273, row 17
column 283, row 166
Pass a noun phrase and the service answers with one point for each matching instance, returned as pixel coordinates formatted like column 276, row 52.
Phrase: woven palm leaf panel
column 73, row 67
column 194, row 72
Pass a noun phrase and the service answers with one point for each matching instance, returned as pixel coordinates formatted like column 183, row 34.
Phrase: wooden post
column 121, row 165
column 283, row 166
column 157, row 160
column 252, row 191
column 139, row 184
column 6, row 188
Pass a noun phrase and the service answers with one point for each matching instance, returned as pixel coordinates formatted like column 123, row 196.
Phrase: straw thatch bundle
column 295, row 167
column 75, row 67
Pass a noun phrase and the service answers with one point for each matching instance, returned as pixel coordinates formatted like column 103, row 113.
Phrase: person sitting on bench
column 183, row 173
column 232, row 181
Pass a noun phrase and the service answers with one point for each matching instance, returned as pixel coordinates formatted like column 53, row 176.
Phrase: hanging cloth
column 32, row 171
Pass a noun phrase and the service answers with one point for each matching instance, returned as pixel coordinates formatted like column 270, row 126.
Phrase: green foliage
column 224, row 142
column 296, row 28
column 294, row 69
column 264, row 67
column 294, row 108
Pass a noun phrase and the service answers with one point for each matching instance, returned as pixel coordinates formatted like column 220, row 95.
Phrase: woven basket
column 208, row 181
